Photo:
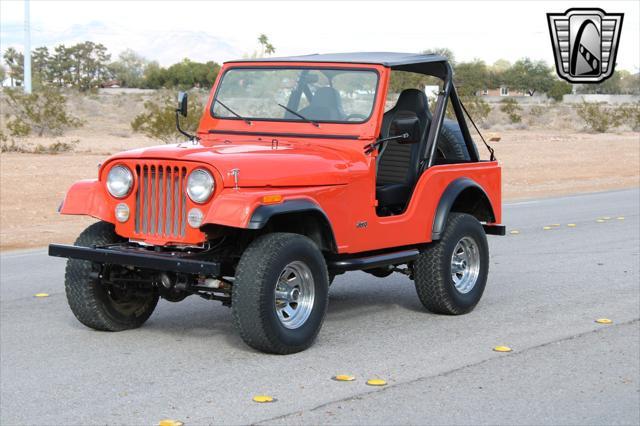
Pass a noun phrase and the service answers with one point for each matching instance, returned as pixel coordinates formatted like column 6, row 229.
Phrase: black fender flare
column 448, row 198
column 262, row 214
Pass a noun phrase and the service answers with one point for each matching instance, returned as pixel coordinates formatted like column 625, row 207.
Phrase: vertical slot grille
column 160, row 201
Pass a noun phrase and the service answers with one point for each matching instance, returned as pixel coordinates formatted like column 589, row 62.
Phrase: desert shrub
column 537, row 110
column 511, row 107
column 477, row 108
column 158, row 121
column 56, row 147
column 12, row 146
column 9, row 145
column 597, row 116
column 41, row 112
column 629, row 114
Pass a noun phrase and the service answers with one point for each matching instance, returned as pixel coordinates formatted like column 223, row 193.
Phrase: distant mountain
column 166, row 47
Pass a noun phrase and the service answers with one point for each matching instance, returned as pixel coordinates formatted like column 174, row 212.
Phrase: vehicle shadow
column 353, row 297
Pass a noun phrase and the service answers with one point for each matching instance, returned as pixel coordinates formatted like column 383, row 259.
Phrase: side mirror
column 183, row 99
column 406, row 123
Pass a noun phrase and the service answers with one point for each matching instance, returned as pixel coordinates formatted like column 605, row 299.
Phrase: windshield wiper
column 246, row 120
column 308, row 120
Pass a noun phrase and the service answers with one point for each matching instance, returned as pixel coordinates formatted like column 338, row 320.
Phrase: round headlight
column 119, row 181
column 200, row 185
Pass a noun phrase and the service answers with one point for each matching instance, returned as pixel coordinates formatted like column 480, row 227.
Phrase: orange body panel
column 335, row 174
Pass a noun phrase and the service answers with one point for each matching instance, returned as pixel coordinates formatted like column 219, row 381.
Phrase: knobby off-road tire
column 265, row 288
column 97, row 305
column 434, row 269
column 451, row 144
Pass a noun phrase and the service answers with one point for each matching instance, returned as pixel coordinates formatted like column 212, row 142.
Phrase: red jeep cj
column 298, row 172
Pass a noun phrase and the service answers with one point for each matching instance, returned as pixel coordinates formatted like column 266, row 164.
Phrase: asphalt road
column 546, row 288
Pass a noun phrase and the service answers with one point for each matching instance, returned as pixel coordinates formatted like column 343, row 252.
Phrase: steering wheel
column 356, row 116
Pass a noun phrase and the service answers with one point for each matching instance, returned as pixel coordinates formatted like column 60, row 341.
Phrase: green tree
column 442, row 51
column 15, row 63
column 501, row 65
column 529, row 76
column 558, row 89
column 471, row 77
column 189, row 74
column 154, row 76
column 630, row 83
column 41, row 66
column 89, row 64
column 129, row 69
column 620, row 82
column 60, row 66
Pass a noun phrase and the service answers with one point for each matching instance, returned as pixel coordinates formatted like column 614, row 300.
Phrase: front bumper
column 139, row 258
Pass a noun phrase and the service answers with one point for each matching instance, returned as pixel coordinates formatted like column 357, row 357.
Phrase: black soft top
column 421, row 63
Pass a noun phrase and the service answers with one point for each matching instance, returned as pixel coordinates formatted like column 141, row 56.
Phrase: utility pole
column 27, row 49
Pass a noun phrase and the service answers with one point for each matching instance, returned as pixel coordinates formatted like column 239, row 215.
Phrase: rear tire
column 451, row 274
column 451, row 145
column 280, row 294
column 98, row 305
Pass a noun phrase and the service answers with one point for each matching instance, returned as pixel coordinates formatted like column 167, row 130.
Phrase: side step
column 373, row 261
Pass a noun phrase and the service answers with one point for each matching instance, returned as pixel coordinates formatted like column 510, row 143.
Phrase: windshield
column 296, row 94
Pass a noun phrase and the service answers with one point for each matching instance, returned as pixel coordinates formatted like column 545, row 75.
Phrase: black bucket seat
column 398, row 164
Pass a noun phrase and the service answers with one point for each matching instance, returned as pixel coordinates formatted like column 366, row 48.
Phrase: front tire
column 451, row 274
column 280, row 294
column 100, row 306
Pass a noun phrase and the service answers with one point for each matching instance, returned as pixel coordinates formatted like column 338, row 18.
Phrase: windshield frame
column 297, row 67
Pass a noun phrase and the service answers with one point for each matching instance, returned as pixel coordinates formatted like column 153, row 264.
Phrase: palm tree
column 266, row 47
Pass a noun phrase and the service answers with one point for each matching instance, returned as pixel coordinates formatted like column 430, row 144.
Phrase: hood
column 289, row 163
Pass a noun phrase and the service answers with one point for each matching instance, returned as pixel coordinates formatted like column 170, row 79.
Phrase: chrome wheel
column 294, row 295
column 465, row 265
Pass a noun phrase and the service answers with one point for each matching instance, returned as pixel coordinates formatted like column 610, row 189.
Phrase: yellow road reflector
column 502, row 349
column 514, row 232
column 262, row 398
column 41, row 295
column 546, row 228
column 600, row 220
column 571, row 225
column 376, row 382
column 169, row 422
column 344, row 378
column 620, row 217
column 604, row 321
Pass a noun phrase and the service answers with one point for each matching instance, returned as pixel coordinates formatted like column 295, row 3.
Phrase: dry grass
column 550, row 158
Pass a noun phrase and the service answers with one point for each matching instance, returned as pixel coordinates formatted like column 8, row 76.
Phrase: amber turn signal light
column 272, row 199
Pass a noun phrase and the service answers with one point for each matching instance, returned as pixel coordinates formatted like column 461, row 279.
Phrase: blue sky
column 168, row 31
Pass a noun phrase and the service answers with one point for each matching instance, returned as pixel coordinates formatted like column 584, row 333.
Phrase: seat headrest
column 413, row 100
column 325, row 96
